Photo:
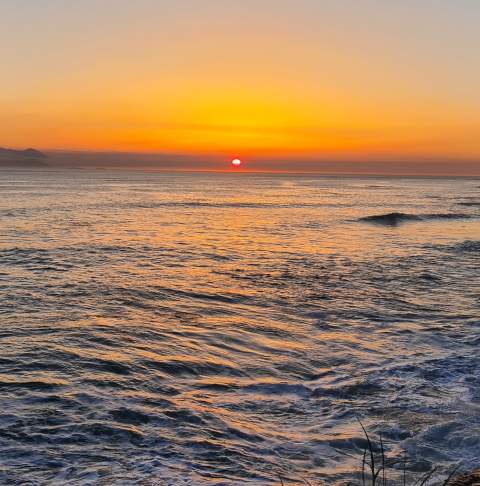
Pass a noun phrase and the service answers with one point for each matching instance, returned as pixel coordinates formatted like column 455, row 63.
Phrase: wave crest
column 394, row 219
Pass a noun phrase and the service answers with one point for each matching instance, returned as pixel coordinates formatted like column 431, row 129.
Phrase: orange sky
column 305, row 79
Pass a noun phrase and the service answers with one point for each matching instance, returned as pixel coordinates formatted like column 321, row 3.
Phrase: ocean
column 234, row 328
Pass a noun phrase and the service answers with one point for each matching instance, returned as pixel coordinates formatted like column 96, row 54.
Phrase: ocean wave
column 394, row 219
column 38, row 385
column 437, row 441
column 470, row 203
column 224, row 205
column 465, row 247
column 192, row 368
column 468, row 246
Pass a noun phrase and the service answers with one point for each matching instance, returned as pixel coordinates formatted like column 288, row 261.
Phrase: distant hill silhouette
column 19, row 159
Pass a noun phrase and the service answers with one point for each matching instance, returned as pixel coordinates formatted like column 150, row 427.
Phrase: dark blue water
column 224, row 329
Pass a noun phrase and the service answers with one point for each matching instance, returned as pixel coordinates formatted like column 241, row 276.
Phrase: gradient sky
column 315, row 79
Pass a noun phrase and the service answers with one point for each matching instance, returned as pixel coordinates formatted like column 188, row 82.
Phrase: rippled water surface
column 226, row 328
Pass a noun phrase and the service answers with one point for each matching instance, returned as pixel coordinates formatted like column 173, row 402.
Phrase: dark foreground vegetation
column 377, row 469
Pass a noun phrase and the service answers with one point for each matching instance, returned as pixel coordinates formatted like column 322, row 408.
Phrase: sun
column 236, row 162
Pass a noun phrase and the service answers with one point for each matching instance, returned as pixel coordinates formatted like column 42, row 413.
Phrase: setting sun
column 236, row 162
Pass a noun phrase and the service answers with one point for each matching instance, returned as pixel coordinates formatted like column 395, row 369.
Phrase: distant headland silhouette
column 28, row 158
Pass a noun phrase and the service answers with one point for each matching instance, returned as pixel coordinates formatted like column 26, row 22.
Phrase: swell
column 182, row 204
column 464, row 247
column 470, row 203
column 394, row 219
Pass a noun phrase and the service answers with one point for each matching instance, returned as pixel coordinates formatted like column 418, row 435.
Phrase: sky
column 390, row 82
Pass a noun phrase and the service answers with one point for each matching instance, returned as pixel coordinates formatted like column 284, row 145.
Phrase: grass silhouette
column 377, row 469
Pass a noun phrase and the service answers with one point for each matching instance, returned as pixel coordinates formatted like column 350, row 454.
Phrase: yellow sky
column 300, row 79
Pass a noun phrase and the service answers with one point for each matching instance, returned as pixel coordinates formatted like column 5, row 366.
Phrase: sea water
column 207, row 328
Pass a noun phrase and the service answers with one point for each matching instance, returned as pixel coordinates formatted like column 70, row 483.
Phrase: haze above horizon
column 392, row 83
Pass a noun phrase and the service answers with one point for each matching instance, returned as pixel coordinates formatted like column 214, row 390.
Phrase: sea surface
column 231, row 329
